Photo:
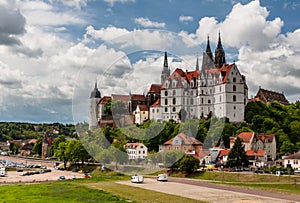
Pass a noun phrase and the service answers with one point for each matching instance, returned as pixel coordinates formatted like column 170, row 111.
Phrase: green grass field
column 101, row 188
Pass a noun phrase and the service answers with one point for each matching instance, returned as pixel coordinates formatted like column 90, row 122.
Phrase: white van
column 2, row 172
column 137, row 179
column 162, row 177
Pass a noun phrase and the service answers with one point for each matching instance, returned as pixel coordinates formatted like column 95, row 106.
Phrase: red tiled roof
column 119, row 97
column 155, row 88
column 224, row 152
column 143, row 107
column 246, row 136
column 255, row 153
column 203, row 153
column 265, row 138
column 186, row 140
column 132, row 145
column 269, row 96
column 138, row 97
column 156, row 103
column 224, row 71
column 104, row 99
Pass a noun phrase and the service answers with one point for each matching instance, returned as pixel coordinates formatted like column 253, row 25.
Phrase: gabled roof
column 255, row 152
column 138, row 97
column 224, row 152
column 224, row 71
column 186, row 140
column 246, row 136
column 120, row 97
column 156, row 103
column 271, row 96
column 294, row 156
column 132, row 145
column 142, row 107
column 265, row 138
column 155, row 88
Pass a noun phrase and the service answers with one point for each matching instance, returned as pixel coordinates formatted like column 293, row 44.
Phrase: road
column 204, row 191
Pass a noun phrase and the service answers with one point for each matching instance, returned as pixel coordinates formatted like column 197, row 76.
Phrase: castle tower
column 94, row 100
column 197, row 63
column 208, row 61
column 219, row 54
column 165, row 74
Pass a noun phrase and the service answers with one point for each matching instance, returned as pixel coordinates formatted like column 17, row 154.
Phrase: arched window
column 166, row 101
column 174, row 100
column 166, row 93
column 174, row 109
column 234, row 79
column 234, row 98
column 209, row 101
column 234, row 88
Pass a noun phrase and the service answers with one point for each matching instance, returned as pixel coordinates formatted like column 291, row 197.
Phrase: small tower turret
column 208, row 61
column 94, row 112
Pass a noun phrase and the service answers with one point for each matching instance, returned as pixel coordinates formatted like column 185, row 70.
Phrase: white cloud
column 112, row 2
column 105, row 34
column 183, row 18
column 145, row 22
column 73, row 3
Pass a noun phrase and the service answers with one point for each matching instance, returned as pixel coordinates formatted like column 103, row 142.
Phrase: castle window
column 234, row 98
column 234, row 79
column 166, row 93
column 192, row 101
column 234, row 88
column 191, row 93
column 201, row 100
column 166, row 109
column 220, row 98
column 166, row 101
column 174, row 109
column 220, row 88
column 234, row 107
column 174, row 100
column 209, row 101
column 157, row 110
column 152, row 110
column 202, row 92
column 174, row 92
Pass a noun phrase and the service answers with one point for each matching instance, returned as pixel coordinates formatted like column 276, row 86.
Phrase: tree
column 237, row 155
column 107, row 107
column 61, row 153
column 287, row 148
column 37, row 148
column 55, row 144
column 189, row 164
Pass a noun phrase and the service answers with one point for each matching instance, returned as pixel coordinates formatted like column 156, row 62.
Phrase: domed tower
column 94, row 100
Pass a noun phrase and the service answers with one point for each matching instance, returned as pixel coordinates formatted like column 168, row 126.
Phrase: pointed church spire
column 165, row 74
column 207, row 62
column 197, row 63
column 219, row 54
column 166, row 60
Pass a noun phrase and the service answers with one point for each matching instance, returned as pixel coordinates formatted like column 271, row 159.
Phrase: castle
column 217, row 89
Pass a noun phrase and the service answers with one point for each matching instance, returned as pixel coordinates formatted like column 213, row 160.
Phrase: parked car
column 259, row 171
column 137, row 179
column 162, row 177
column 62, row 178
column 297, row 171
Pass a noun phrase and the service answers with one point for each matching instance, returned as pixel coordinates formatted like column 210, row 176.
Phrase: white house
column 293, row 160
column 141, row 114
column 136, row 151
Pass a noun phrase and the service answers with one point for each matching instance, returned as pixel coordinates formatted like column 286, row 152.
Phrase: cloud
column 112, row 2
column 12, row 25
column 145, row 22
column 245, row 24
column 183, row 18
column 73, row 3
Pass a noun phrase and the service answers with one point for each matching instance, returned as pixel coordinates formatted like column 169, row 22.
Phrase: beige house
column 257, row 142
column 293, row 160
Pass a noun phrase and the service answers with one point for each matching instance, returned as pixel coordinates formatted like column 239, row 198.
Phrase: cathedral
column 217, row 89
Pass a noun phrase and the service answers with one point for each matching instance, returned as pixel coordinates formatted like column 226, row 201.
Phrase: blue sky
column 53, row 49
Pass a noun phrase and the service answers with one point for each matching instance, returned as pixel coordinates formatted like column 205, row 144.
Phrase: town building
column 256, row 142
column 292, row 161
column 182, row 142
column 136, row 151
column 267, row 96
column 141, row 114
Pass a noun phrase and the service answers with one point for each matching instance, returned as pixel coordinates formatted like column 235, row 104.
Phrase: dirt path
column 206, row 191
